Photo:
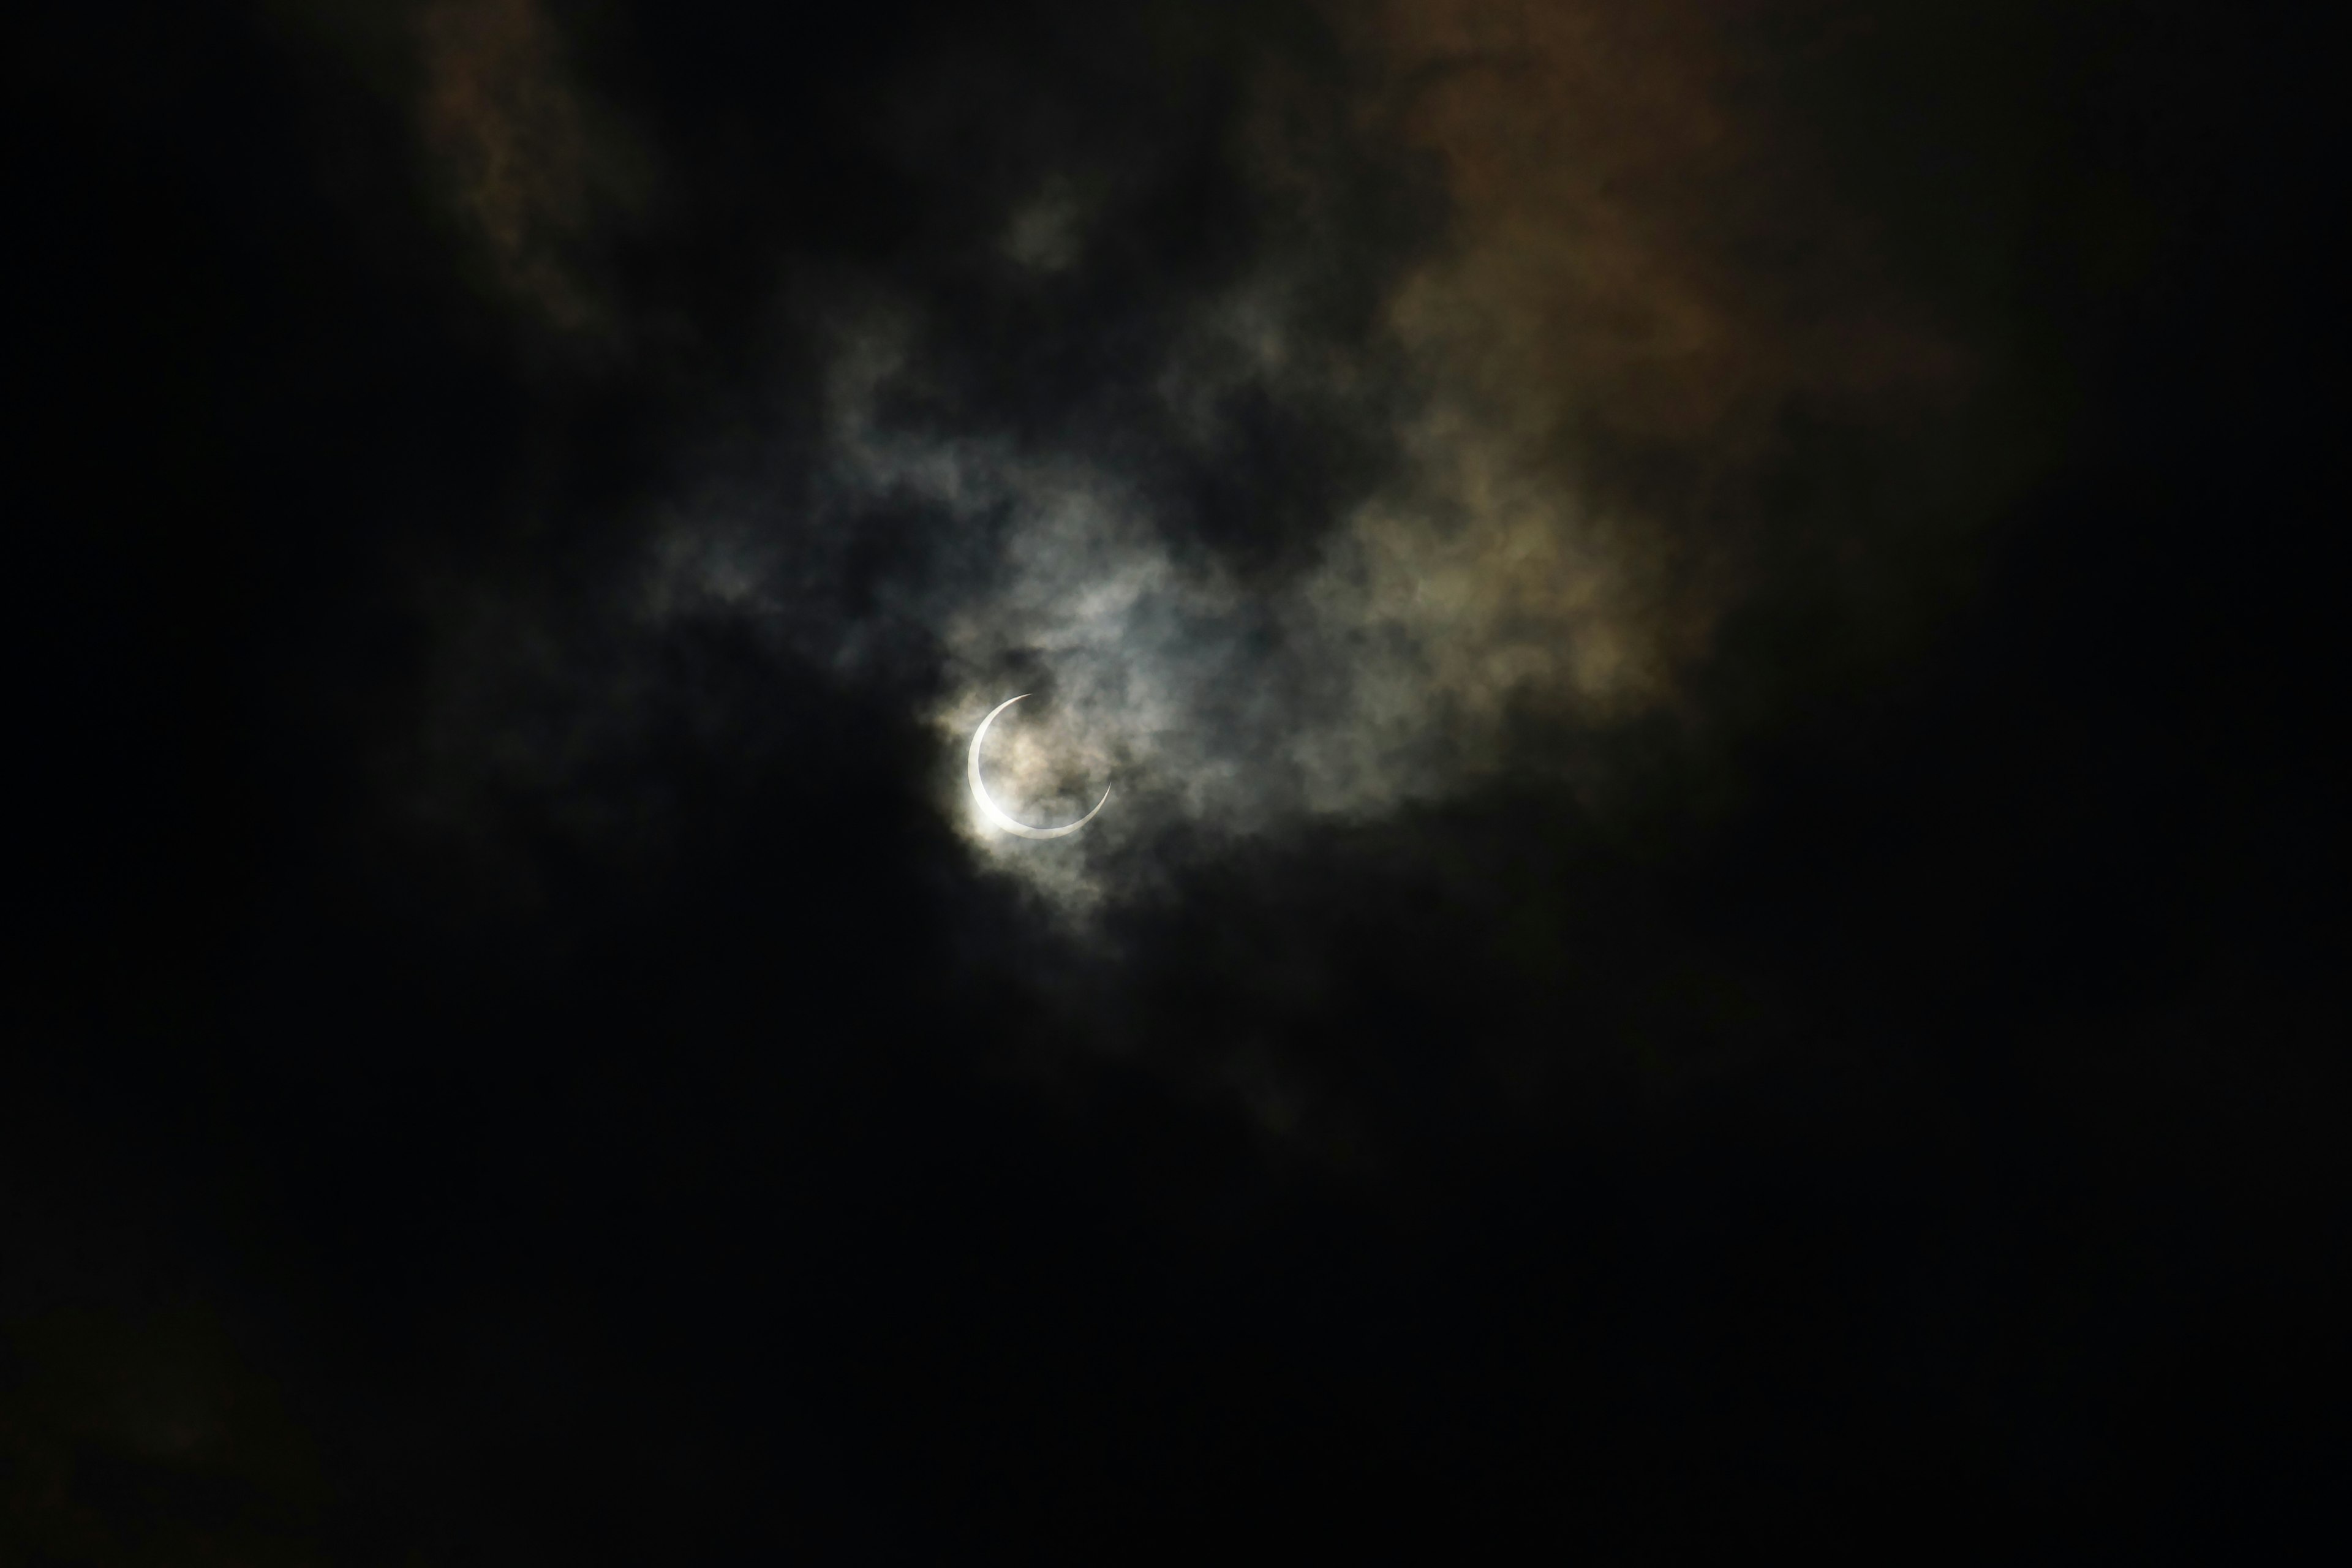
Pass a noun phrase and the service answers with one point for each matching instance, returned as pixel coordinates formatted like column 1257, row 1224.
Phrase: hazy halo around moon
column 995, row 814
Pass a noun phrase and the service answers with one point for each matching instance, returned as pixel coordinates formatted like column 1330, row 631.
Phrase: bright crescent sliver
column 995, row 814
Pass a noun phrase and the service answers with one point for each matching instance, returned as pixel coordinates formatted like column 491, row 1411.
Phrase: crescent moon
column 996, row 814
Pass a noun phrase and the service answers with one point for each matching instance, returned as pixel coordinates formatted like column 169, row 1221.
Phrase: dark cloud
column 526, row 162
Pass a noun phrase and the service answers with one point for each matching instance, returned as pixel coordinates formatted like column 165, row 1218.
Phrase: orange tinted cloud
column 515, row 143
column 1638, row 239
column 1643, row 276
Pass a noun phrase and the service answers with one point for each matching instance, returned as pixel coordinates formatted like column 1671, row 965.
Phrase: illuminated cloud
column 1342, row 519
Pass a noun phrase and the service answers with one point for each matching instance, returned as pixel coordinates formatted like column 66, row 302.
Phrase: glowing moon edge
column 995, row 814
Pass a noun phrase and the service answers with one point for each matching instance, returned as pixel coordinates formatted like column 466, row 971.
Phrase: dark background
column 1940, row 1153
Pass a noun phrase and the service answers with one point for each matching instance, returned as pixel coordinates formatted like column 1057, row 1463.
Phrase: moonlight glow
column 995, row 814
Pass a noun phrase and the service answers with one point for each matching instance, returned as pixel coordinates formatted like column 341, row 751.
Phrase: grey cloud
column 1322, row 536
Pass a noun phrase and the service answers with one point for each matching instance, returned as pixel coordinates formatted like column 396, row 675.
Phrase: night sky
column 1711, row 625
